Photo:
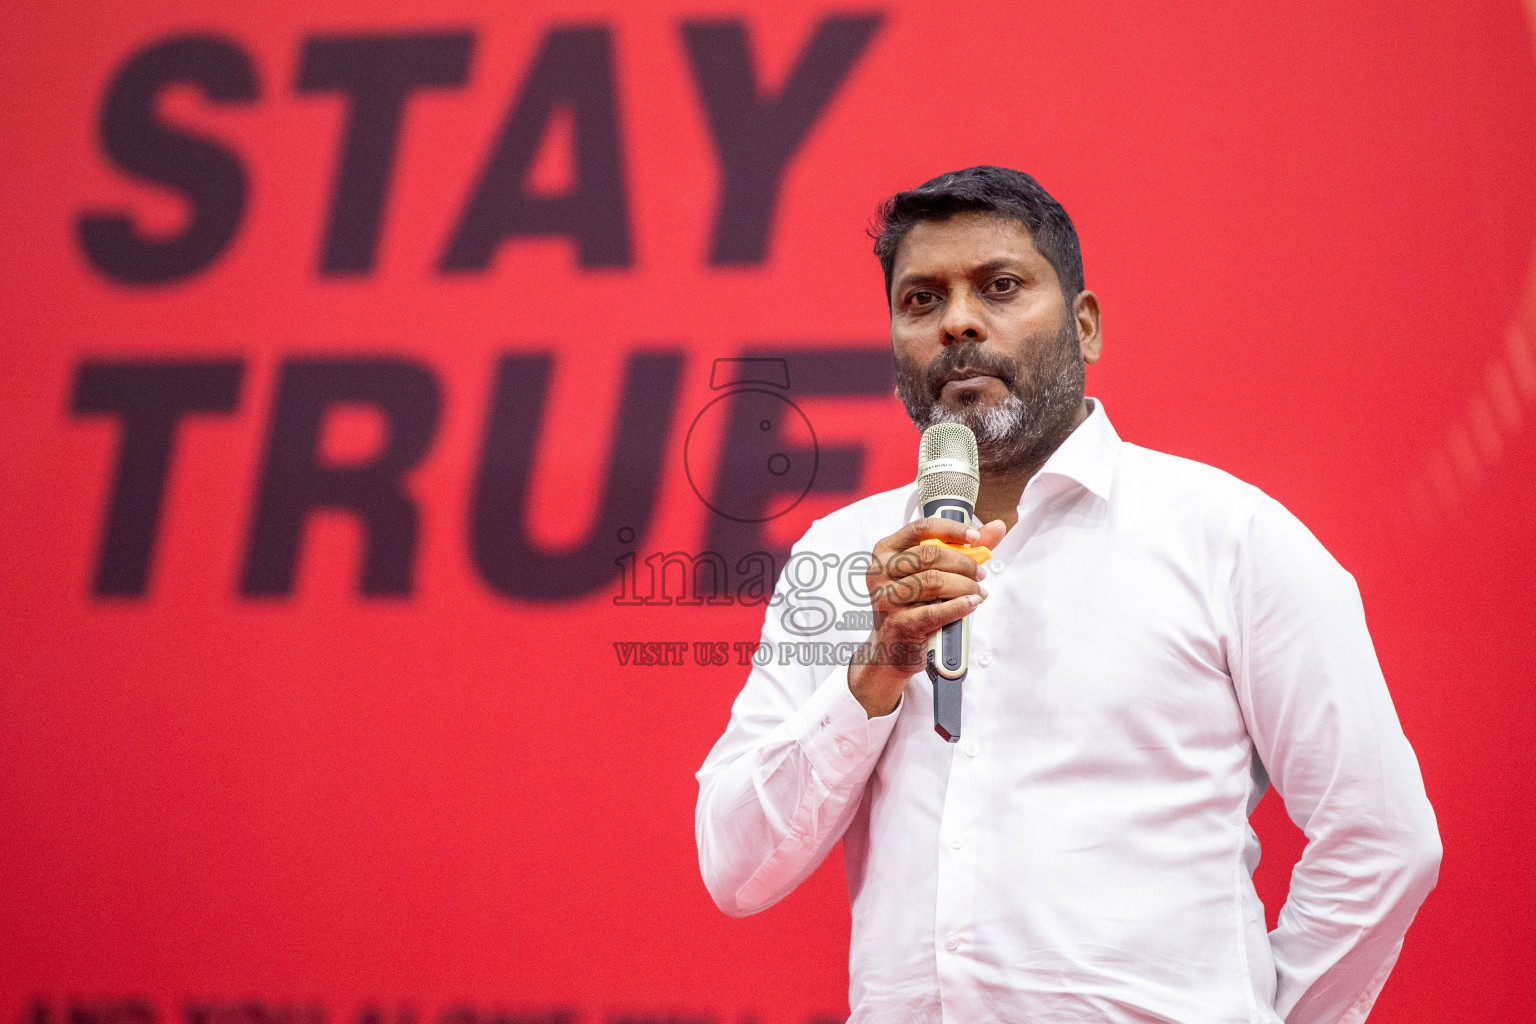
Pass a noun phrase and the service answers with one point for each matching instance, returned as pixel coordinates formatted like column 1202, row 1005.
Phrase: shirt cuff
column 839, row 738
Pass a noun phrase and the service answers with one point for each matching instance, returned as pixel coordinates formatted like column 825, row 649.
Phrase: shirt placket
column 960, row 831
column 973, row 771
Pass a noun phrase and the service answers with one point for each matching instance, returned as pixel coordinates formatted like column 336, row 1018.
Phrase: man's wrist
column 876, row 683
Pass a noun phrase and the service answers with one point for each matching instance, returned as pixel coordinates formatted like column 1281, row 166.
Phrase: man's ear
column 1085, row 310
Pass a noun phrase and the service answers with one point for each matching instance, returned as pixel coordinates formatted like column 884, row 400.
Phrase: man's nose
column 962, row 318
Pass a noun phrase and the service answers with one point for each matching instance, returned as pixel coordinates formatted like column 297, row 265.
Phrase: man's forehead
column 968, row 239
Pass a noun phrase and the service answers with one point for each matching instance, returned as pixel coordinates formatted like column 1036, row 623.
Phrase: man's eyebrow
column 910, row 278
column 1000, row 263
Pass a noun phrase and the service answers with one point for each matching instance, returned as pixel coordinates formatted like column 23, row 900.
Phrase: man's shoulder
column 1178, row 491
column 861, row 522
column 1183, row 495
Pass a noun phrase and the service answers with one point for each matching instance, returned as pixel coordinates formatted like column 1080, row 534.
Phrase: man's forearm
column 1352, row 898
column 774, row 799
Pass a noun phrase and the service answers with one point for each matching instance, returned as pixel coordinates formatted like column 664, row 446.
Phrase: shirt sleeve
column 781, row 785
column 1323, row 723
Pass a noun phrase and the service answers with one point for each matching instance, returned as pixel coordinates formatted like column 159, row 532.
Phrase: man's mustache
column 966, row 361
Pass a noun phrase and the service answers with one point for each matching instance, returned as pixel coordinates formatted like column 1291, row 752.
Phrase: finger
column 924, row 589
column 922, row 621
column 929, row 556
column 992, row 534
column 932, row 526
column 934, row 585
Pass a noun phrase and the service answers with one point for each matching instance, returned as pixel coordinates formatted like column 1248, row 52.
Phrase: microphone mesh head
column 947, row 464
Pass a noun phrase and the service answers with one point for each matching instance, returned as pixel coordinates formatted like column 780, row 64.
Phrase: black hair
column 997, row 190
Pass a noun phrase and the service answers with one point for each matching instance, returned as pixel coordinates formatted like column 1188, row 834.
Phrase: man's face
column 983, row 336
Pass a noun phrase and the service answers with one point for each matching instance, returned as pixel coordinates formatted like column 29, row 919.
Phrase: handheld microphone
column 948, row 479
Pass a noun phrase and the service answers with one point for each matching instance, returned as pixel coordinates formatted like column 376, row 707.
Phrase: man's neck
column 1001, row 489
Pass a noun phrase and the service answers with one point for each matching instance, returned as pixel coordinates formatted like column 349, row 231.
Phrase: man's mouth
column 972, row 381
column 968, row 379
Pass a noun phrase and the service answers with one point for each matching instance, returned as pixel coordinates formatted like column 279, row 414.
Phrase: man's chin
column 978, row 389
column 993, row 422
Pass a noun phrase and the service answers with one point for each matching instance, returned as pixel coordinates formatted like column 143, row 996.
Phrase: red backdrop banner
column 372, row 375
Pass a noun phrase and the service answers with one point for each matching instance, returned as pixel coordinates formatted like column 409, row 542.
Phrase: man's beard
column 1025, row 427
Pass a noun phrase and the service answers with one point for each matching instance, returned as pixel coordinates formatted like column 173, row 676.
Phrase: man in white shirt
column 1152, row 643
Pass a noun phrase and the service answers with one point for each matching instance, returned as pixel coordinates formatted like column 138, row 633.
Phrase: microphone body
column 949, row 478
column 949, row 650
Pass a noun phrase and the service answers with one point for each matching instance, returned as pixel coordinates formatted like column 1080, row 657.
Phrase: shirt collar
column 1088, row 454
column 1087, row 457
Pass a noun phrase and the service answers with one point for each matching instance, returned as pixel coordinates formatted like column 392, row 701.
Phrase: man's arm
column 1323, row 723
column 780, row 787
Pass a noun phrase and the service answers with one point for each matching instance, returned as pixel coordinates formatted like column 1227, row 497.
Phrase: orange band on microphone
column 977, row 554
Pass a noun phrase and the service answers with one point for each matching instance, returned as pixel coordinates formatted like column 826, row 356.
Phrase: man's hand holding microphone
column 915, row 590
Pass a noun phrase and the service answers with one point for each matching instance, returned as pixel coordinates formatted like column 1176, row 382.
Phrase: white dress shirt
column 1160, row 643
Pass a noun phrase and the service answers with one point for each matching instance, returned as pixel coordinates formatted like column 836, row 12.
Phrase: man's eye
column 1003, row 285
column 920, row 299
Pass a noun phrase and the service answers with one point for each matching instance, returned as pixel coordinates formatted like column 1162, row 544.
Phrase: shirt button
column 983, row 659
column 972, row 749
column 994, row 566
column 952, row 943
column 844, row 747
column 956, row 842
